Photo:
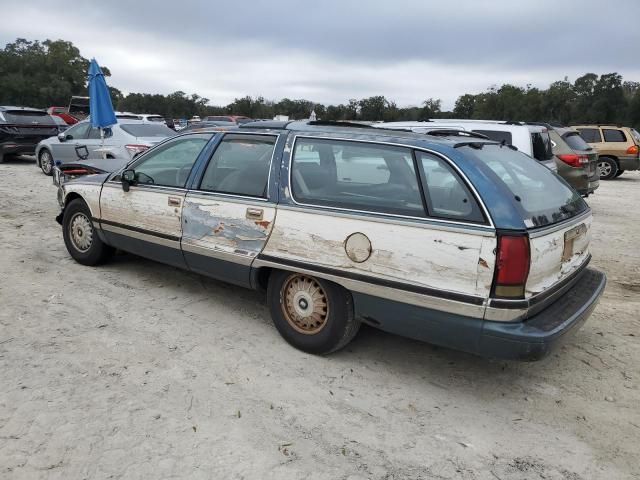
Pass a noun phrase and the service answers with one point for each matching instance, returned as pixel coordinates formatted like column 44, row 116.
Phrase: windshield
column 575, row 141
column 147, row 129
column 543, row 198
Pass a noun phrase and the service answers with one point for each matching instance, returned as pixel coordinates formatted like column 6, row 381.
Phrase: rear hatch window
column 497, row 135
column 147, row 129
column 576, row 142
column 542, row 148
column 543, row 198
column 28, row 117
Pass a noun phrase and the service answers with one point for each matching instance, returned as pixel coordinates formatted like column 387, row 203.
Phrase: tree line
column 43, row 74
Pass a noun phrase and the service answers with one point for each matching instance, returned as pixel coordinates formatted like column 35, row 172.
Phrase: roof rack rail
column 513, row 122
column 339, row 123
column 453, row 132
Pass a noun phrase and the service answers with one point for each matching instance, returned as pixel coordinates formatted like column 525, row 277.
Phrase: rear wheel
column 313, row 315
column 608, row 168
column 619, row 172
column 80, row 237
column 46, row 162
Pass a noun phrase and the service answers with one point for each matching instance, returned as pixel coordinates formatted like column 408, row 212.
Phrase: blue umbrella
column 100, row 107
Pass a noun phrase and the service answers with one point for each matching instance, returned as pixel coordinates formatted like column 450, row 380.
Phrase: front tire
column 619, row 172
column 46, row 162
column 80, row 236
column 608, row 168
column 313, row 315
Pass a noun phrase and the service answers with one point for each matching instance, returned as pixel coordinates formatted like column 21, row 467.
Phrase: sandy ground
column 138, row 370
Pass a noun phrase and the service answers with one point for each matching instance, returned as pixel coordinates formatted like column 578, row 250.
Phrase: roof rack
column 453, row 132
column 339, row 123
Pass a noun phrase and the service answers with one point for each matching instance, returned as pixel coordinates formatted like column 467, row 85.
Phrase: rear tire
column 619, row 172
column 45, row 160
column 608, row 168
column 313, row 315
column 80, row 236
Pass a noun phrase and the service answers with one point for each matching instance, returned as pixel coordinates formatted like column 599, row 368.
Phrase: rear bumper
column 529, row 339
column 629, row 163
column 18, row 147
column 535, row 337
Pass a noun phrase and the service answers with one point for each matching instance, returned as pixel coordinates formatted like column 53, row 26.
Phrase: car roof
column 505, row 125
column 355, row 131
column 29, row 109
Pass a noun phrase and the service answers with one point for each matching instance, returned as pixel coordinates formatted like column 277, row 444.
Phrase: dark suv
column 21, row 129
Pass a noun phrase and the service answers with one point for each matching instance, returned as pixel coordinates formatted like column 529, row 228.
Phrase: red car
column 63, row 114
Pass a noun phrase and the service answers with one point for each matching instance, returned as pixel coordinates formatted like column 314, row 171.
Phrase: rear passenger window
column 446, row 195
column 496, row 135
column 354, row 175
column 611, row 135
column 590, row 135
column 240, row 165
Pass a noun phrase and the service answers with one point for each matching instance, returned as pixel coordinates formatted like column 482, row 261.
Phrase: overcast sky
column 331, row 50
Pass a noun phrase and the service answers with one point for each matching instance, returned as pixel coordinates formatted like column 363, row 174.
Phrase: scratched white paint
column 221, row 224
column 90, row 193
column 547, row 267
column 445, row 260
column 142, row 208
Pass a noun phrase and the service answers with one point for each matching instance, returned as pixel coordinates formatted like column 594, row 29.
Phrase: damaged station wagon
column 448, row 238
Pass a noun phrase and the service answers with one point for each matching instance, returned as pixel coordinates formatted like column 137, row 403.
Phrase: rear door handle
column 173, row 202
column 255, row 213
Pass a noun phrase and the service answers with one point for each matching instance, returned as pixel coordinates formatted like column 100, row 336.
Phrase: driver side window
column 170, row 164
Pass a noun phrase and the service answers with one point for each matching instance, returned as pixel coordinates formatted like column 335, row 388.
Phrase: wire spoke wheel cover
column 81, row 232
column 304, row 304
column 46, row 162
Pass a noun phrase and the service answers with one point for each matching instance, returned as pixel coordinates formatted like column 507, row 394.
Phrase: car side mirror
column 62, row 137
column 128, row 178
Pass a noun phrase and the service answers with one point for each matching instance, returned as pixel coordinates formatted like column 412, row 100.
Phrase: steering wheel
column 148, row 179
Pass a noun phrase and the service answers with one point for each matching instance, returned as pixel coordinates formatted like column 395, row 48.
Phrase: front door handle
column 173, row 202
column 255, row 213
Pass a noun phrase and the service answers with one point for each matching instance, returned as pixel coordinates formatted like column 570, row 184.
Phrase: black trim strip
column 541, row 297
column 136, row 229
column 432, row 292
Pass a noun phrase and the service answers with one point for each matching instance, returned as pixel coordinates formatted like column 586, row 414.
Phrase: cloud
column 333, row 50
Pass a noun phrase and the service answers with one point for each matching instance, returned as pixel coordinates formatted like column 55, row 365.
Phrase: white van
column 533, row 140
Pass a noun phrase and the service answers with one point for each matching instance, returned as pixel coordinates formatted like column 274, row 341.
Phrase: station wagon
column 458, row 241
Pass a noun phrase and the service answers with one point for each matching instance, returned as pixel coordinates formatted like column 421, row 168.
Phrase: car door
column 70, row 149
column 147, row 219
column 96, row 144
column 229, row 215
column 383, row 222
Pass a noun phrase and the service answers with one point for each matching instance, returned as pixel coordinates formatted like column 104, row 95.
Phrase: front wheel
column 46, row 162
column 608, row 168
column 80, row 237
column 313, row 315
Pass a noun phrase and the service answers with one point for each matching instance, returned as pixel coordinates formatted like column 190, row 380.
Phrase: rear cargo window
column 611, row 135
column 575, row 141
column 497, row 135
column 355, row 176
column 542, row 197
column 590, row 135
column 542, row 148
column 147, row 129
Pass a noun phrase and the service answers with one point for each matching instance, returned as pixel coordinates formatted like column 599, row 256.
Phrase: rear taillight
column 574, row 160
column 136, row 149
column 633, row 150
column 512, row 266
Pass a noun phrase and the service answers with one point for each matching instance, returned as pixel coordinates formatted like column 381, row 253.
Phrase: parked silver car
column 82, row 142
